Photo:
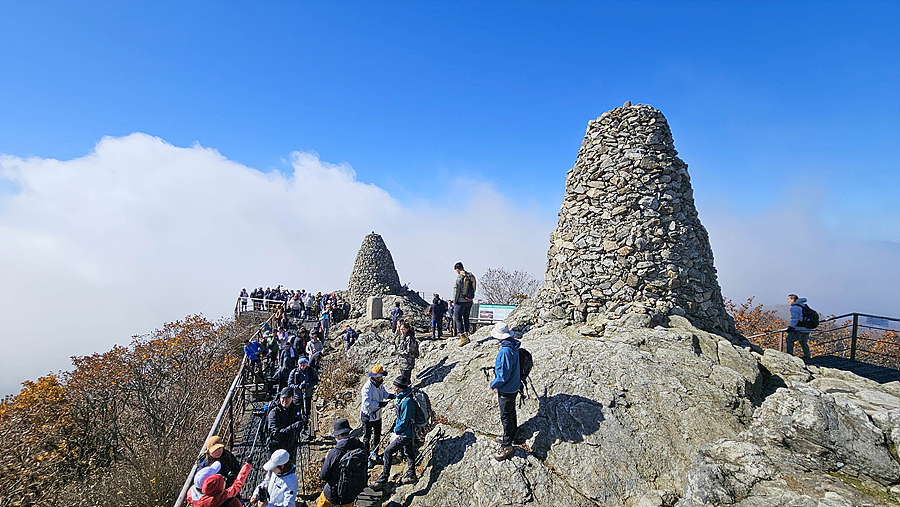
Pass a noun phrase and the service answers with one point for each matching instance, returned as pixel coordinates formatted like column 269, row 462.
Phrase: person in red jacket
column 215, row 494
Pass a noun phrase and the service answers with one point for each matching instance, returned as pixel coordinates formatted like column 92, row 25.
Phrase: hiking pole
column 428, row 446
column 485, row 370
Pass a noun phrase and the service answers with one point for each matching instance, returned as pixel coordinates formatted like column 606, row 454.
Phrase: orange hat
column 213, row 443
column 377, row 371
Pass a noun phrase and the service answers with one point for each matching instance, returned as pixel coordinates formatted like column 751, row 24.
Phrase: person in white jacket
column 374, row 397
column 280, row 483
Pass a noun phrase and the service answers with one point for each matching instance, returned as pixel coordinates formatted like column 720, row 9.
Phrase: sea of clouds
column 140, row 232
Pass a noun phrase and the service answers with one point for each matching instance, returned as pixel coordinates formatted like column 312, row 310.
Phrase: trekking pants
column 508, row 417
column 405, row 446
column 800, row 337
column 373, row 433
column 461, row 316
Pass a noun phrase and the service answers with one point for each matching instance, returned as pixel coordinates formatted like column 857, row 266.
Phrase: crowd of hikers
column 287, row 354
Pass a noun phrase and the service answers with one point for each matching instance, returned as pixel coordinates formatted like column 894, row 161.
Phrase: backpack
column 525, row 364
column 469, row 286
column 352, row 476
column 424, row 414
column 810, row 318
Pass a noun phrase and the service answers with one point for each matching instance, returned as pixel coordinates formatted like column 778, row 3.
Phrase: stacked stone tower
column 373, row 273
column 628, row 238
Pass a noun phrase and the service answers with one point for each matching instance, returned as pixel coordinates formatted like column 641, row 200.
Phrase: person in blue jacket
column 507, row 380
column 795, row 331
column 402, row 436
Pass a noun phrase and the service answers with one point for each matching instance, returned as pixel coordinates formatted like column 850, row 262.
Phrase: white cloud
column 140, row 232
column 787, row 249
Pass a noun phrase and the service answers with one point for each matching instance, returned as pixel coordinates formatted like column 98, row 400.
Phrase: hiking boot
column 377, row 485
column 409, row 479
column 505, row 453
column 463, row 339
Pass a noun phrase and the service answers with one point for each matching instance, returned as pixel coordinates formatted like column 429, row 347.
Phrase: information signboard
column 494, row 313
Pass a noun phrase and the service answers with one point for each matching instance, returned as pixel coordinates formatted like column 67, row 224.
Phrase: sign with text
column 494, row 313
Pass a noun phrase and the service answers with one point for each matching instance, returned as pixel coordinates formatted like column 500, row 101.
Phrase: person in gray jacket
column 408, row 349
column 795, row 332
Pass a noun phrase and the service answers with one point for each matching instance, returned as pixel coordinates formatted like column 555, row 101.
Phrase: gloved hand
column 295, row 426
column 391, row 396
column 382, row 404
column 790, row 329
column 394, row 437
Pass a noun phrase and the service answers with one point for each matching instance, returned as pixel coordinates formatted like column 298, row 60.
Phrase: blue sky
column 788, row 114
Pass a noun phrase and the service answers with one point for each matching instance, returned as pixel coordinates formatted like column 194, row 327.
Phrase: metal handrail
column 212, row 431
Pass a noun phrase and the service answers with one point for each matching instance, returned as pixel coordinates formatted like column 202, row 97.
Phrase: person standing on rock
column 451, row 322
column 795, row 332
column 402, row 436
column 374, row 398
column 331, row 472
column 507, row 380
column 407, row 349
column 463, row 296
column 396, row 315
column 437, row 310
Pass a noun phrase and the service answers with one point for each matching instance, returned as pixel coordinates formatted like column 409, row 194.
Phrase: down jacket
column 215, row 494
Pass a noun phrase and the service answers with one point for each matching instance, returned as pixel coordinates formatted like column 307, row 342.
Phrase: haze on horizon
column 146, row 176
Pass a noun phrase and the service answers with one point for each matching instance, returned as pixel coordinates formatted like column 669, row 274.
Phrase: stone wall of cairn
column 628, row 238
column 373, row 272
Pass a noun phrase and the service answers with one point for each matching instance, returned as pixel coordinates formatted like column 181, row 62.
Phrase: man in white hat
column 279, row 487
column 507, row 380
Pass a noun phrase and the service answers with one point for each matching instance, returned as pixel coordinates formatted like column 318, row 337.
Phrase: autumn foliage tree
column 122, row 427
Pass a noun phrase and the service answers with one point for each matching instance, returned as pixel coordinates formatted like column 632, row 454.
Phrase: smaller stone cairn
column 373, row 272
column 628, row 239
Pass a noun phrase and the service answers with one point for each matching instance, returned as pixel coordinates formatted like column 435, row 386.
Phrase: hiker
column 253, row 350
column 279, row 487
column 437, row 310
column 402, row 436
column 451, row 322
column 506, row 382
column 196, row 491
column 396, row 315
column 331, row 471
column 463, row 296
column 215, row 493
column 244, row 297
column 374, row 398
column 217, row 453
column 349, row 335
column 315, row 348
column 796, row 332
column 325, row 321
column 303, row 381
column 287, row 358
column 407, row 349
column 282, row 422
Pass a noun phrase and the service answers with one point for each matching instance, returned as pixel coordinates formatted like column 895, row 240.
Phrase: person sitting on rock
column 507, row 380
column 374, row 398
column 349, row 335
column 407, row 349
column 402, row 436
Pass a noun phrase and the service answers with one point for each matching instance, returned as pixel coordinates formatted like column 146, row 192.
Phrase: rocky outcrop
column 373, row 272
column 641, row 393
column 628, row 238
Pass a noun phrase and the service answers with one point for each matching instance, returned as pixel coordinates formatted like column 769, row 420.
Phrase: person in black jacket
column 330, row 472
column 437, row 310
column 303, row 381
column 216, row 451
column 283, row 423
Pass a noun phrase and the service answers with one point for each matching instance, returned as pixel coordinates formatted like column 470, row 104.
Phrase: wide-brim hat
column 377, row 371
column 501, row 331
column 341, row 427
column 279, row 457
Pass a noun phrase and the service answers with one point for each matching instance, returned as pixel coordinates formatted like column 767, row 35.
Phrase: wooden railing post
column 853, row 337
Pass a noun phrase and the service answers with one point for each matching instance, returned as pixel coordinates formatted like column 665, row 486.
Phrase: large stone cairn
column 628, row 239
column 373, row 273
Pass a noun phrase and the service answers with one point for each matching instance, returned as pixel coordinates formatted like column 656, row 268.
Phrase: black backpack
column 525, row 364
column 469, row 286
column 352, row 476
column 810, row 318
